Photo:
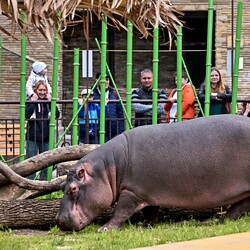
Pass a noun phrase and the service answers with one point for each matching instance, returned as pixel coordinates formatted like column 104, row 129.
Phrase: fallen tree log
column 13, row 174
column 37, row 213
column 33, row 213
column 11, row 192
column 28, row 213
column 64, row 166
column 43, row 187
column 49, row 158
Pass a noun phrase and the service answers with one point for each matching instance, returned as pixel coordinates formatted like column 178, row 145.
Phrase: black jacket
column 38, row 127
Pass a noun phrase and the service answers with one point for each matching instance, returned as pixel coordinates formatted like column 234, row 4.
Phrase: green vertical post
column 236, row 58
column 116, row 89
column 22, row 92
column 179, row 74
column 103, row 78
column 155, row 75
column 75, row 96
column 52, row 124
column 209, row 56
column 129, row 74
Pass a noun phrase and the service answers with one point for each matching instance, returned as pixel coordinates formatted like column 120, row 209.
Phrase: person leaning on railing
column 143, row 111
column 220, row 96
column 188, row 99
column 38, row 115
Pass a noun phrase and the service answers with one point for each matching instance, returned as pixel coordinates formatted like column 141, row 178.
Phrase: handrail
column 98, row 101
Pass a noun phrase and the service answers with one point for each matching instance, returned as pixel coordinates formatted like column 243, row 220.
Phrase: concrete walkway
column 239, row 241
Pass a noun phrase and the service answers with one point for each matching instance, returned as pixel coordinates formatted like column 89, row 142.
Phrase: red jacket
column 188, row 99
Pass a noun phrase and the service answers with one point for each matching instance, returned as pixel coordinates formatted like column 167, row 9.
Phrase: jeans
column 32, row 149
column 92, row 133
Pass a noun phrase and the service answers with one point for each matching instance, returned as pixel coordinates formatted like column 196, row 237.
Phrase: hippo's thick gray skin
column 203, row 163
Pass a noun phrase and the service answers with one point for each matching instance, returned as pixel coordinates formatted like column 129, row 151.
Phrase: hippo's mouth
column 79, row 219
column 73, row 220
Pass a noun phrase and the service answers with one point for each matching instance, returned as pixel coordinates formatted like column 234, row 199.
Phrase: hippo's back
column 198, row 147
column 213, row 132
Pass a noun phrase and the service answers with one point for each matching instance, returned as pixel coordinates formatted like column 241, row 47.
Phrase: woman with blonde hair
column 220, row 94
column 38, row 116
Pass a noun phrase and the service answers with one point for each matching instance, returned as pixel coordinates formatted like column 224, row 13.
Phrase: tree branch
column 53, row 185
column 49, row 158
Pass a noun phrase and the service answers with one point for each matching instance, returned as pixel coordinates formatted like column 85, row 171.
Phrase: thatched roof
column 44, row 15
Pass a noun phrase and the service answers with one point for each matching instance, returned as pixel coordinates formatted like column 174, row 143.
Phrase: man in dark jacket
column 114, row 115
column 143, row 111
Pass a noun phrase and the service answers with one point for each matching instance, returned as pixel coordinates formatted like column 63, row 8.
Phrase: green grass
column 132, row 236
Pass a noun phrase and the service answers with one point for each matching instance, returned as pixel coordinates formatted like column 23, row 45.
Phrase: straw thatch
column 46, row 15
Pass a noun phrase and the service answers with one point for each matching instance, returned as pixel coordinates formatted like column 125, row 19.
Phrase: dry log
column 11, row 192
column 53, row 185
column 64, row 166
column 42, row 187
column 33, row 213
column 28, row 213
column 49, row 158
column 13, row 174
column 41, row 214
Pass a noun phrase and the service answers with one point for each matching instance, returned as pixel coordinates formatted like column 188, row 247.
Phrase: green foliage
column 54, row 195
column 131, row 236
column 57, row 195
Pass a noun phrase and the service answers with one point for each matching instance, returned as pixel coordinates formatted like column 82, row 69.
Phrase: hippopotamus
column 197, row 164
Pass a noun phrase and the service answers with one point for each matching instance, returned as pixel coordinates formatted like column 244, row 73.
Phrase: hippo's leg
column 151, row 214
column 235, row 210
column 126, row 206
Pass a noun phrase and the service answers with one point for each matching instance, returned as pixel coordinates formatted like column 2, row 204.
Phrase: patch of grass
column 130, row 237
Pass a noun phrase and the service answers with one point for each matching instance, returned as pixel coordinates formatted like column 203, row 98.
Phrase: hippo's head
column 86, row 194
